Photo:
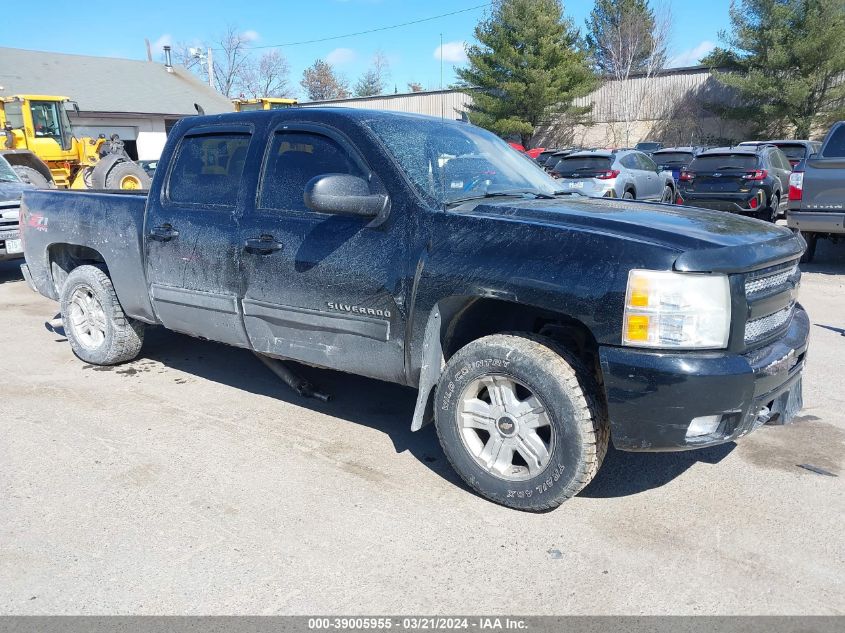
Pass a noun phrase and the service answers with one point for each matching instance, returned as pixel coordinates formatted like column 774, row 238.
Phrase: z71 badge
column 346, row 307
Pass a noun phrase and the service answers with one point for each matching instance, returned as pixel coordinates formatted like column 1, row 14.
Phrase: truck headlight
column 677, row 310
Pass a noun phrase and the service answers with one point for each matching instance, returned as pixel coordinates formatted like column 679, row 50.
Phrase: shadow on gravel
column 624, row 474
column 829, row 259
column 379, row 405
column 11, row 271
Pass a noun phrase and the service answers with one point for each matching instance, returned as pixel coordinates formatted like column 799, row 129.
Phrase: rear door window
column 207, row 170
column 645, row 162
column 793, row 152
column 835, row 147
column 717, row 162
column 294, row 158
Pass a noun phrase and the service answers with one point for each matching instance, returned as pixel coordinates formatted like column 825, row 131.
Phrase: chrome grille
column 759, row 328
column 768, row 280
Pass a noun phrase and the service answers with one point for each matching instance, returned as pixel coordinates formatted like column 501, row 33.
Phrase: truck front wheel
column 98, row 330
column 518, row 419
column 127, row 175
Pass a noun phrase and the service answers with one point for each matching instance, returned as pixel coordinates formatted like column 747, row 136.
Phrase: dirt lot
column 192, row 481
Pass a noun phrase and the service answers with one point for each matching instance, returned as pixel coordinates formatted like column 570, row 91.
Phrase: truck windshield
column 7, row 174
column 448, row 161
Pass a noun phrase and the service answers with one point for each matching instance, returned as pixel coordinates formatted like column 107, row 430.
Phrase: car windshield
column 7, row 174
column 448, row 162
column 583, row 163
column 715, row 162
column 673, row 158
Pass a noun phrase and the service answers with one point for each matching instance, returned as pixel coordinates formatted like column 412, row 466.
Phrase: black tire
column 629, row 195
column 122, row 337
column 810, row 252
column 770, row 213
column 576, row 424
column 33, row 177
column 668, row 195
column 127, row 175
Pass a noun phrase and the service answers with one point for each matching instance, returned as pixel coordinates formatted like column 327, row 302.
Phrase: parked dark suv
column 795, row 151
column 751, row 180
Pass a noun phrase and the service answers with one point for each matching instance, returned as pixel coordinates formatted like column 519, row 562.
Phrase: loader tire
column 98, row 330
column 33, row 177
column 128, row 176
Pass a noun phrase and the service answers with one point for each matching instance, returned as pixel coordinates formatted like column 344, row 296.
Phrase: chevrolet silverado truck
column 817, row 193
column 537, row 326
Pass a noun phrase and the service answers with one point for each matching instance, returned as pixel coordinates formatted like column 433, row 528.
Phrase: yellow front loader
column 263, row 103
column 37, row 139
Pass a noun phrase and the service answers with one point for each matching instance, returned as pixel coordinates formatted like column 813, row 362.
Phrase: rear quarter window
column 715, row 162
column 207, row 170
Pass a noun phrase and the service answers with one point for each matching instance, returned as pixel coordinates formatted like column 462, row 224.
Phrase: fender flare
column 102, row 168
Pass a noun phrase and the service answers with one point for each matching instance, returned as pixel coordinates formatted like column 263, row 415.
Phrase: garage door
column 126, row 132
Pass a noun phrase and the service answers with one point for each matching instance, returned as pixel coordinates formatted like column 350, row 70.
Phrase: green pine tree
column 527, row 66
column 786, row 60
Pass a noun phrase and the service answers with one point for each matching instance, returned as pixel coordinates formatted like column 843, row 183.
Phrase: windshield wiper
column 504, row 193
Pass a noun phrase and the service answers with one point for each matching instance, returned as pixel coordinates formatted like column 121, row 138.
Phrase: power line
column 382, row 28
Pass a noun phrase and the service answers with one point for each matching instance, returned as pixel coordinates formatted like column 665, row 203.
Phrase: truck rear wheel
column 33, row 177
column 518, row 420
column 98, row 330
column 127, row 175
column 810, row 252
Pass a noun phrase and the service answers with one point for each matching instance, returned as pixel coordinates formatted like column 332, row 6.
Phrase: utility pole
column 442, row 104
column 210, row 60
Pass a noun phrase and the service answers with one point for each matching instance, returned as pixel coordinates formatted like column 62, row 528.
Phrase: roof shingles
column 105, row 84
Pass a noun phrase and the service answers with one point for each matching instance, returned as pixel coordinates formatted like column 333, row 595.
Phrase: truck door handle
column 264, row 245
column 163, row 233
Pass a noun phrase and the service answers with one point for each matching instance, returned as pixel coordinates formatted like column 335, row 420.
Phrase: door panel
column 331, row 294
column 192, row 239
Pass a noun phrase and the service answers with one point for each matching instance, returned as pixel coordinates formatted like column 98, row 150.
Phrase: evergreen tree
column 786, row 60
column 527, row 67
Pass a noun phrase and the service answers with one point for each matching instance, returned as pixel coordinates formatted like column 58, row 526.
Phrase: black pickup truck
column 536, row 325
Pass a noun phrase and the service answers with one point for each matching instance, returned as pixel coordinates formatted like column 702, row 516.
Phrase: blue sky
column 411, row 50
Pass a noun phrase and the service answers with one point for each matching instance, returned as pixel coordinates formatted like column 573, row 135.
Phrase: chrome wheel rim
column 87, row 318
column 505, row 428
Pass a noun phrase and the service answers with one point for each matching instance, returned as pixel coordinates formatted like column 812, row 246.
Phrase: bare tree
column 628, row 42
column 374, row 80
column 236, row 69
column 321, row 83
column 268, row 77
column 415, row 86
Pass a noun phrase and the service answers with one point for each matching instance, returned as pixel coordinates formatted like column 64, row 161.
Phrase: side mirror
column 344, row 194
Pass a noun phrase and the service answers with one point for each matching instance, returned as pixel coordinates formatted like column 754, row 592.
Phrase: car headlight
column 677, row 310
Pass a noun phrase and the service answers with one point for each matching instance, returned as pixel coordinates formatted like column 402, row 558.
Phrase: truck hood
column 12, row 191
column 706, row 240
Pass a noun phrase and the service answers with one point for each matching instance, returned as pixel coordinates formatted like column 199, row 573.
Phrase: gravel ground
column 191, row 481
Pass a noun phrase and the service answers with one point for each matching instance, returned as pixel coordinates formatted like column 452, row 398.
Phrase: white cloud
column 161, row 42
column 250, row 35
column 692, row 56
column 453, row 52
column 341, row 56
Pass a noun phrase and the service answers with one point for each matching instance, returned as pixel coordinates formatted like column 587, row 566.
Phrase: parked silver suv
column 615, row 174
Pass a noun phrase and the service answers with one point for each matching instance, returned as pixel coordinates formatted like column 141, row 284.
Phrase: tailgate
column 824, row 185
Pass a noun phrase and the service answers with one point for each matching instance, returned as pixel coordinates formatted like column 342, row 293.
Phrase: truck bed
column 110, row 222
